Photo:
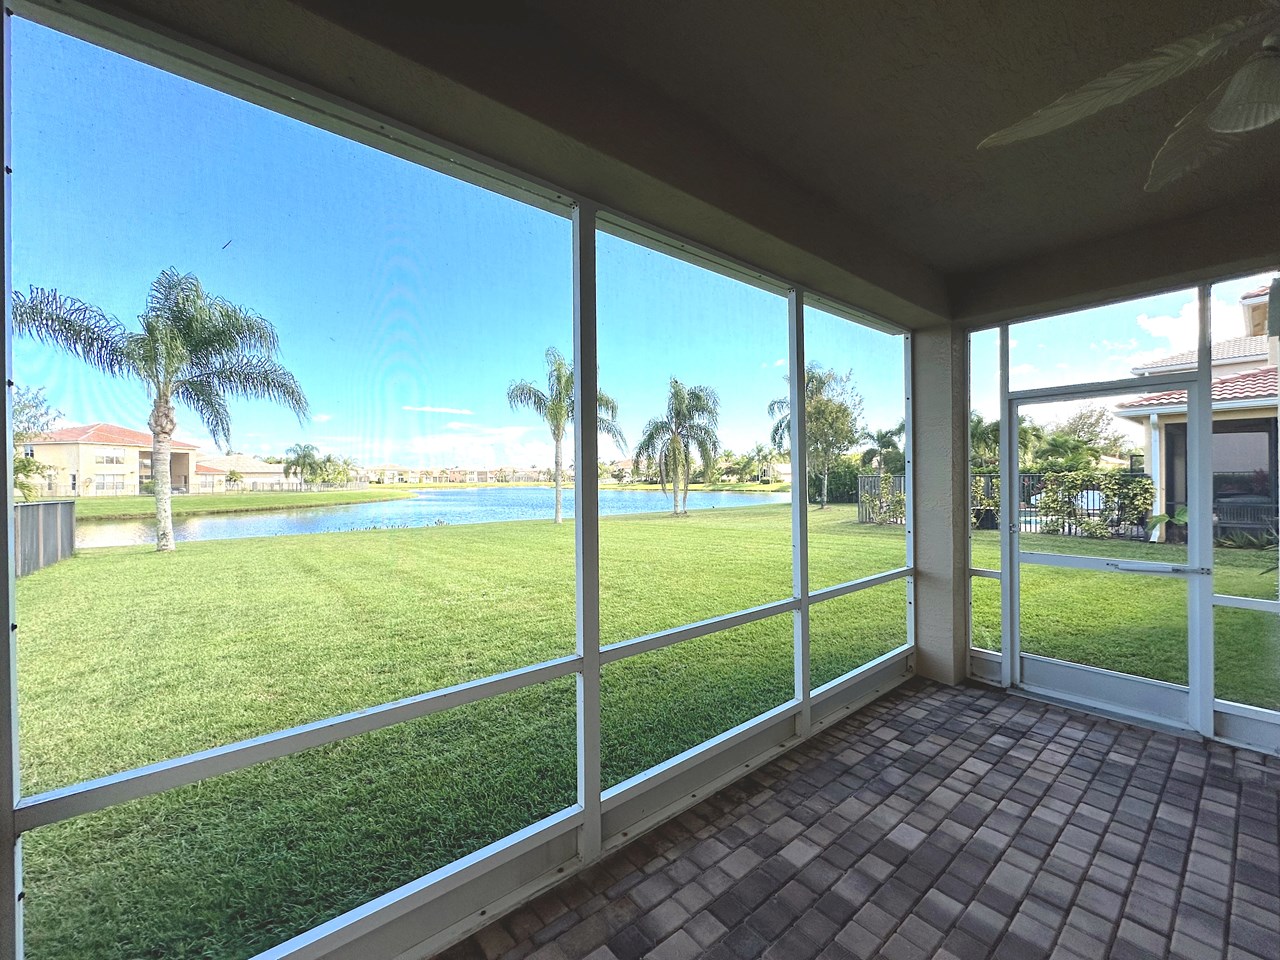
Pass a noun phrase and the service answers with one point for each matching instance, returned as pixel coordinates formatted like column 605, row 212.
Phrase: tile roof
column 1237, row 348
column 205, row 468
column 107, row 433
column 1261, row 291
column 241, row 463
column 1252, row 385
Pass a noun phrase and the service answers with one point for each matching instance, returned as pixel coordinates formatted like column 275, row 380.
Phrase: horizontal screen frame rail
column 1110, row 564
column 54, row 806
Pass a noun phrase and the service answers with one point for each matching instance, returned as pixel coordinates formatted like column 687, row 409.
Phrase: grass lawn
column 193, row 504
column 127, row 656
column 1133, row 623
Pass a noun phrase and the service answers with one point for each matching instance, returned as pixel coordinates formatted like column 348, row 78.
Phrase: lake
column 426, row 508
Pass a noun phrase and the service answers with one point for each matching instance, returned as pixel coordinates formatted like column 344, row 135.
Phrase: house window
column 28, row 450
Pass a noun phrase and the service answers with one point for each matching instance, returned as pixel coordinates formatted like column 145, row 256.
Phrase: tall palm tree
column 555, row 406
column 302, row 460
column 193, row 349
column 759, row 455
column 833, row 422
column 668, row 442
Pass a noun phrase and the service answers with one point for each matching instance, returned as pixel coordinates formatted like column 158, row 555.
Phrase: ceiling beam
column 1231, row 240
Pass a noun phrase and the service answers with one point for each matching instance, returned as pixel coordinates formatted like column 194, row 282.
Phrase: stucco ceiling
column 836, row 141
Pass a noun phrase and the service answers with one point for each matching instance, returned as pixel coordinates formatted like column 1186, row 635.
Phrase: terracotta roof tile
column 107, row 433
column 1258, row 384
column 1237, row 348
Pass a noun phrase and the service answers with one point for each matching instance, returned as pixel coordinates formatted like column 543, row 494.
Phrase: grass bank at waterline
column 199, row 504
column 127, row 656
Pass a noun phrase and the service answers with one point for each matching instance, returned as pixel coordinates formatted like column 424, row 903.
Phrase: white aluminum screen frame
column 1193, row 708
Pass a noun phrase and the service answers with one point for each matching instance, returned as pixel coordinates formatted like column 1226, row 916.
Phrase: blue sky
column 1103, row 343
column 406, row 301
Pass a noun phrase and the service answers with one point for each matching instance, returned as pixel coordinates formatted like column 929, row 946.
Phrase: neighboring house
column 1244, row 398
column 104, row 459
column 209, row 479
column 776, row 471
column 254, row 474
column 395, row 473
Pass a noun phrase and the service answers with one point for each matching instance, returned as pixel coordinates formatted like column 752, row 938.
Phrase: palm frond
column 255, row 377
column 1128, row 81
column 1191, row 144
column 209, row 405
column 77, row 327
column 524, row 394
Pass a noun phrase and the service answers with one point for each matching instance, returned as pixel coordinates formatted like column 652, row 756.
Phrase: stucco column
column 940, row 411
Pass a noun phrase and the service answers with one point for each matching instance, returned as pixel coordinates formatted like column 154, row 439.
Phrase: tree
column 555, row 407
column 234, row 478
column 193, row 349
column 302, row 460
column 1096, row 427
column 759, row 460
column 833, row 421
column 32, row 417
column 1059, row 453
column 668, row 442
column 884, row 447
column 984, row 441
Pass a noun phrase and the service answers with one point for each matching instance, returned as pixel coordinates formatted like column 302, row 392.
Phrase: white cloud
column 782, row 362
column 1023, row 370
column 322, row 418
column 456, row 411
column 1179, row 331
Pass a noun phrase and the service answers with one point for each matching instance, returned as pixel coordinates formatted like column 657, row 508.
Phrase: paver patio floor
column 949, row 822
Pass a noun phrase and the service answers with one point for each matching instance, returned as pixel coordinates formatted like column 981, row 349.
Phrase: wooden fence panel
column 44, row 532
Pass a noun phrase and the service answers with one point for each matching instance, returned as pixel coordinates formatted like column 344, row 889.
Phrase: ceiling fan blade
column 1190, row 145
column 1131, row 79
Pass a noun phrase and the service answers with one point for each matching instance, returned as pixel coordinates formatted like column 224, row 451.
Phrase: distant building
column 397, row 473
column 104, row 459
column 254, row 474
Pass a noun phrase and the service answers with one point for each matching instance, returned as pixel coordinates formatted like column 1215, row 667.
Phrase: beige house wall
column 71, row 459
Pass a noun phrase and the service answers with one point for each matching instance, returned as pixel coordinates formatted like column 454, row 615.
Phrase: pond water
column 425, row 508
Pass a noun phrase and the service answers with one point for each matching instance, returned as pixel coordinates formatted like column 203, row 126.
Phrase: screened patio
column 858, row 728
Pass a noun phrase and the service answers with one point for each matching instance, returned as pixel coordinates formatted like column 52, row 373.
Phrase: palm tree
column 984, row 441
column 883, row 443
column 833, row 422
column 302, row 460
column 759, row 455
column 690, row 423
column 193, row 349
column 555, row 407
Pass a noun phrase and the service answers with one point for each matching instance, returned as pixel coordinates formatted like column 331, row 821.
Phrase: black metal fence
column 1089, row 505
column 44, row 532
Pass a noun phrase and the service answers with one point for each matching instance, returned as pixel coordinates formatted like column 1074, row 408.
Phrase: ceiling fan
column 1248, row 100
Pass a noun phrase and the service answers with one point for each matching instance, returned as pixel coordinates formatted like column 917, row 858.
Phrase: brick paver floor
column 943, row 822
